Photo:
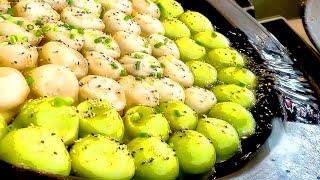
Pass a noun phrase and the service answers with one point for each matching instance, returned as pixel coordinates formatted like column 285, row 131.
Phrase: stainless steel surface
column 291, row 152
column 311, row 19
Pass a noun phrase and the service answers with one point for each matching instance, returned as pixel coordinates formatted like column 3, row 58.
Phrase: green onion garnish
column 177, row 113
column 127, row 17
column 158, row 45
column 30, row 80
column 30, row 27
column 20, row 23
column 114, row 65
column 137, row 65
column 98, row 40
column 123, row 73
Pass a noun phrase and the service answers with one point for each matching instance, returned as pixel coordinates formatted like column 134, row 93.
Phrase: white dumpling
column 116, row 20
column 121, row 5
column 63, row 33
column 130, row 43
column 36, row 10
column 163, row 46
column 53, row 80
column 99, row 87
column 149, row 25
column 4, row 5
column 91, row 6
column 200, row 99
column 14, row 89
column 146, row 7
column 81, row 19
column 103, row 65
column 21, row 27
column 139, row 92
column 168, row 89
column 57, row 5
column 95, row 40
column 176, row 70
column 19, row 55
column 141, row 64
column 60, row 54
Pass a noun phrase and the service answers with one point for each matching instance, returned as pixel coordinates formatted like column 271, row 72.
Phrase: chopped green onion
column 123, row 73
column 30, row 27
column 146, row 44
column 166, row 40
column 46, row 28
column 74, row 31
column 158, row 109
column 98, row 40
column 137, row 65
column 30, row 80
column 138, row 78
column 158, row 45
column 127, row 17
column 13, row 39
column 159, row 75
column 241, row 84
column 177, row 113
column 138, row 56
column 114, row 65
column 200, row 43
column 38, row 22
column 25, row 39
column 87, row 10
column 11, row 19
column 10, row 11
column 108, row 46
column 81, row 31
column 153, row 66
column 143, row 135
column 38, row 33
column 20, row 23
column 214, row 35
column 108, row 40
column 69, row 1
column 72, row 36
column 162, row 65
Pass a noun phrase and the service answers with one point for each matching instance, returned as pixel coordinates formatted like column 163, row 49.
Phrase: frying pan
column 280, row 84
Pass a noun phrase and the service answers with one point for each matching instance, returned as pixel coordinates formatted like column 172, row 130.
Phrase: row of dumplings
column 67, row 50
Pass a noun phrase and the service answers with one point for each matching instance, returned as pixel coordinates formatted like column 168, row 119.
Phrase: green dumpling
column 195, row 152
column 179, row 115
column 224, row 137
column 190, row 50
column 239, row 117
column 204, row 74
column 55, row 114
column 36, row 148
column 175, row 29
column 225, row 57
column 98, row 117
column 234, row 93
column 101, row 157
column 154, row 159
column 196, row 22
column 212, row 40
column 140, row 120
column 238, row 76
column 169, row 9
